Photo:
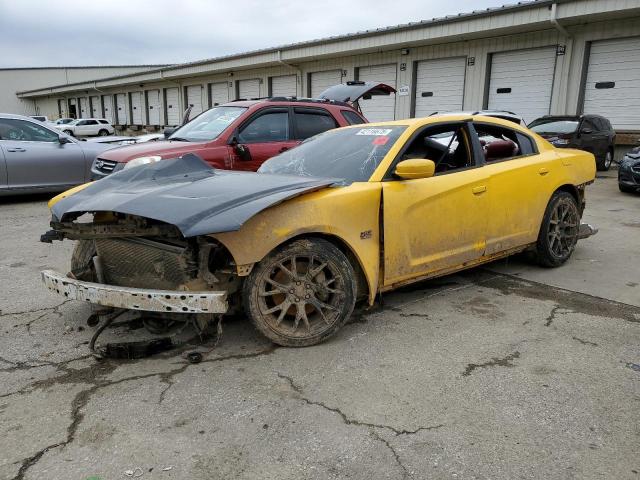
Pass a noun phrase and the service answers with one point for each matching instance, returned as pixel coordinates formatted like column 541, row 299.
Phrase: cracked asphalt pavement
column 507, row 371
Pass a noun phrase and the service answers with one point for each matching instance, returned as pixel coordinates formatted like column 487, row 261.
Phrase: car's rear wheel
column 301, row 294
column 603, row 164
column 82, row 260
column 559, row 230
column 103, row 133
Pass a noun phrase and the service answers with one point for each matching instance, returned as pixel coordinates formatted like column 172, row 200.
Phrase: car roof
column 286, row 101
column 17, row 117
column 446, row 117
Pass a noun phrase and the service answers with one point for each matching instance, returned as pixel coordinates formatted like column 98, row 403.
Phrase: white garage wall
column 320, row 81
column 218, row 93
column 522, row 81
column 153, row 107
column 194, row 99
column 612, row 87
column 122, row 109
column 107, row 103
column 379, row 108
column 284, row 86
column 249, row 88
column 136, row 108
column 172, row 106
column 439, row 85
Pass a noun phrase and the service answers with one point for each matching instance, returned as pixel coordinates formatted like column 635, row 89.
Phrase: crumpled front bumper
column 167, row 301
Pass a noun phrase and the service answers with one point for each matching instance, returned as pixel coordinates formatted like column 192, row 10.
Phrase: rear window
column 352, row 117
column 312, row 122
column 543, row 125
column 104, row 122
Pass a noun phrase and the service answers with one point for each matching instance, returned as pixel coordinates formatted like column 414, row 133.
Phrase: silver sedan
column 35, row 158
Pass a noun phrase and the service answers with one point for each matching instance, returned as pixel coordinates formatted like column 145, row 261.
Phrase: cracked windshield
column 351, row 154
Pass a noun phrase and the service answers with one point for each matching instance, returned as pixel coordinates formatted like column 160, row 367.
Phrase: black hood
column 188, row 193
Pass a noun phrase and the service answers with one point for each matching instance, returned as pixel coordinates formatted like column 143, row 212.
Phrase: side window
column 91, row 122
column 19, row 130
column 310, row 122
column 81, row 123
column 352, row 117
column 269, row 127
column 499, row 143
column 447, row 145
column 588, row 125
column 104, row 122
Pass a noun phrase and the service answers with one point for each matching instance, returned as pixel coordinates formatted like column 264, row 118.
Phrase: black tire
column 103, row 133
column 69, row 132
column 625, row 189
column 603, row 164
column 559, row 230
column 315, row 283
column 82, row 260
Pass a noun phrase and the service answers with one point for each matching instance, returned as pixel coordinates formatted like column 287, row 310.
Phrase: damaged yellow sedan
column 344, row 216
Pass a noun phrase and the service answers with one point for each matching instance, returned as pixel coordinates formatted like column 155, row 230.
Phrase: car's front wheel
column 559, row 230
column 68, row 132
column 301, row 294
column 103, row 133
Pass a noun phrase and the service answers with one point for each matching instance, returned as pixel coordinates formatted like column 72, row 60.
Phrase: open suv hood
column 353, row 91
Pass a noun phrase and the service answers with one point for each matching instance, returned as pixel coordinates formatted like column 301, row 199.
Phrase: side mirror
column 63, row 139
column 169, row 131
column 415, row 168
column 242, row 151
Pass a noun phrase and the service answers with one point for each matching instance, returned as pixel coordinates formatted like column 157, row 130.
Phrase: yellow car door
column 435, row 224
column 521, row 181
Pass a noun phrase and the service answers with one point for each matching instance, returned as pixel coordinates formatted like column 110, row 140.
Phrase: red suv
column 241, row 135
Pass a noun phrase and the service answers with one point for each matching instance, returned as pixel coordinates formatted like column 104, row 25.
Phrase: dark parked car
column 242, row 135
column 591, row 133
column 629, row 172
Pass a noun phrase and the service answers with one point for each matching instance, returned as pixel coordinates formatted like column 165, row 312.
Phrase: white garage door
column 172, row 106
column 136, row 108
column 122, row 109
column 194, row 99
column 284, row 86
column 153, row 107
column 613, row 82
column 107, row 102
column 249, row 88
column 379, row 107
column 521, row 81
column 84, row 108
column 218, row 93
column 62, row 108
column 320, row 81
column 95, row 107
column 439, row 85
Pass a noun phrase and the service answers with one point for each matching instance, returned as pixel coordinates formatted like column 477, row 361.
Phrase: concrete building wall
column 17, row 79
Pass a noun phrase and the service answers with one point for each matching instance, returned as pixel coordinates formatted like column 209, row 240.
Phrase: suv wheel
column 68, row 132
column 559, row 230
column 103, row 133
column 605, row 162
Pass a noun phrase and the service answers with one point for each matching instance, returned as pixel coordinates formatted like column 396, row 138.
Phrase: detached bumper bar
column 586, row 231
column 136, row 298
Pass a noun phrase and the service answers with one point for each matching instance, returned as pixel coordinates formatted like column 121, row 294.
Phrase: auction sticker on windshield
column 376, row 132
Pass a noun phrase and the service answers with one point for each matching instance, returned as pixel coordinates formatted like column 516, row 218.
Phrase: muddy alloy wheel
column 301, row 294
column 559, row 231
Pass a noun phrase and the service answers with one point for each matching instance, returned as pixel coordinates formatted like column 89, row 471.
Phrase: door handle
column 17, row 149
column 543, row 171
column 479, row 189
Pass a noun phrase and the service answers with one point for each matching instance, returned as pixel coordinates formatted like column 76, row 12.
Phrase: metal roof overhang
column 509, row 19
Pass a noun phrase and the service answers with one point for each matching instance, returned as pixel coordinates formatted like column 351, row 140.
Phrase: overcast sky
column 35, row 33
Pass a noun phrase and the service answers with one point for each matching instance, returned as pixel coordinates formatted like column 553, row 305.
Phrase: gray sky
column 36, row 33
